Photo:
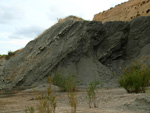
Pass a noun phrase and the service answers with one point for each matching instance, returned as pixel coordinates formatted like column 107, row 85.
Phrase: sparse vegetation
column 91, row 93
column 29, row 110
column 135, row 78
column 9, row 55
column 61, row 81
column 47, row 103
column 2, row 56
column 68, row 84
column 72, row 94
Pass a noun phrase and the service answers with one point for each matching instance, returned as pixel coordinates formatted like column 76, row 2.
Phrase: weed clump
column 135, row 78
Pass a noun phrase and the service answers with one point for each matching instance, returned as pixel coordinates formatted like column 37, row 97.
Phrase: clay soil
column 114, row 100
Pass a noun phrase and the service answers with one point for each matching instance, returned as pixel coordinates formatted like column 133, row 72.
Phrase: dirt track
column 109, row 101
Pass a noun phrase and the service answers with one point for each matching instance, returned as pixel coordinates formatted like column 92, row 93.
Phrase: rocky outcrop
column 125, row 11
column 85, row 49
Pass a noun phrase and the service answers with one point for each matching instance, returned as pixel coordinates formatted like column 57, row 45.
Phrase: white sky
column 23, row 20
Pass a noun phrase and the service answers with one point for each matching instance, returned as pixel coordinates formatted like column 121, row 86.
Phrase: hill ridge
column 125, row 11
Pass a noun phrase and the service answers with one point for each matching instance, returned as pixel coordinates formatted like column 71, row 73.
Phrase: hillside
column 81, row 48
column 125, row 11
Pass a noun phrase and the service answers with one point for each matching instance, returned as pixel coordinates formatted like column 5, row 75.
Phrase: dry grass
column 75, row 18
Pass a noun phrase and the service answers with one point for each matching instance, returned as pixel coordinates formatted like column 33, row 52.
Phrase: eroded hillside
column 81, row 48
column 125, row 11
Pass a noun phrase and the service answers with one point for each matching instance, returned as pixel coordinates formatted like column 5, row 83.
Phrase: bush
column 64, row 82
column 9, row 55
column 135, row 78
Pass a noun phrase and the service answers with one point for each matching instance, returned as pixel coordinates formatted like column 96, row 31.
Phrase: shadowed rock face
column 81, row 48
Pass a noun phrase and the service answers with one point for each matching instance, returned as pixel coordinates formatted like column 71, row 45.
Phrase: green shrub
column 63, row 81
column 135, row 78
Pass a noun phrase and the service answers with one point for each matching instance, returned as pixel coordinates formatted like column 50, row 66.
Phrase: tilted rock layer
column 87, row 50
column 125, row 11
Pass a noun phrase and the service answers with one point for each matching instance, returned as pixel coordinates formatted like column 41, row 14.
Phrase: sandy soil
column 114, row 100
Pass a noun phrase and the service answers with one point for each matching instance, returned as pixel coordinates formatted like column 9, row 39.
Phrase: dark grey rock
column 87, row 50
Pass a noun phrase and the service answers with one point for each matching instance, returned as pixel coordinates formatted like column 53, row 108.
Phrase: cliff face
column 125, row 11
column 81, row 48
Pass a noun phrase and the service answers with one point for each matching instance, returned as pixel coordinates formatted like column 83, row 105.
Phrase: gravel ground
column 114, row 100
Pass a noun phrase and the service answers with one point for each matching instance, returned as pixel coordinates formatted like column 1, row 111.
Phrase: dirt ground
column 114, row 100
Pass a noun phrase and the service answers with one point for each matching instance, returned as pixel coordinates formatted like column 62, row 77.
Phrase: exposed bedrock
column 87, row 50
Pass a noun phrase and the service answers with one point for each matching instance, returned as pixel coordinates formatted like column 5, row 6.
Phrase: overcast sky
column 23, row 20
